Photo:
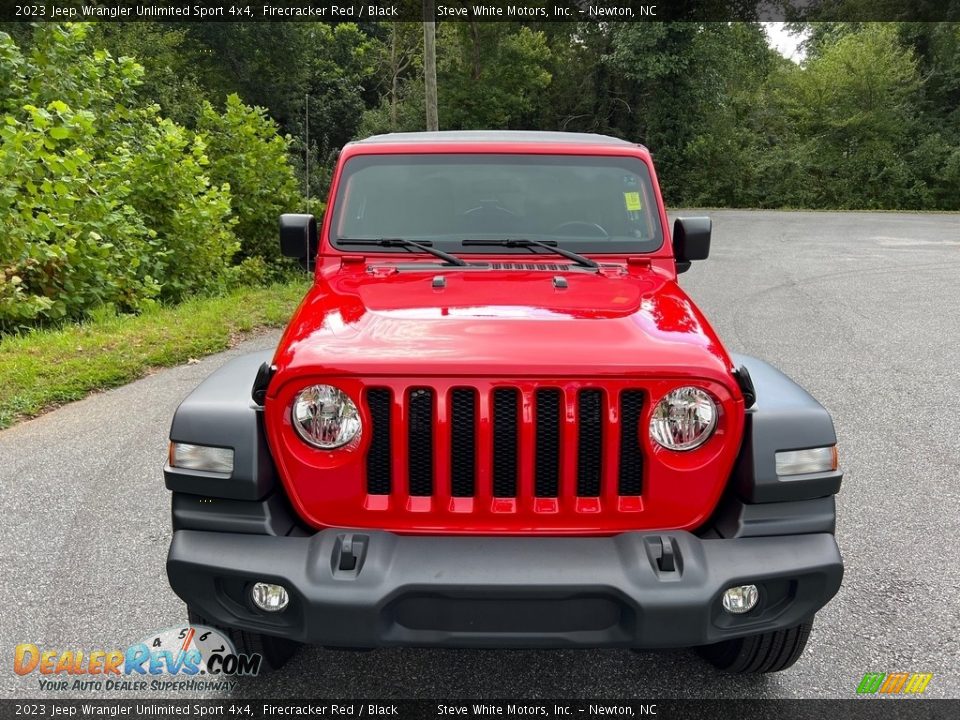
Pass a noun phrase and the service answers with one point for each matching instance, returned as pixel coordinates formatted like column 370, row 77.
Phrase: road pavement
column 862, row 309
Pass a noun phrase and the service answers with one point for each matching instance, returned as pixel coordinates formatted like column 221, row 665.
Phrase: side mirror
column 298, row 238
column 691, row 240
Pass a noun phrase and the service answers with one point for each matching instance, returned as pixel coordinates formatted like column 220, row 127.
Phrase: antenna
column 306, row 150
column 306, row 162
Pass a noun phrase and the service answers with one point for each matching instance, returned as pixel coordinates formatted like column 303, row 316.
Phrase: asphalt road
column 861, row 309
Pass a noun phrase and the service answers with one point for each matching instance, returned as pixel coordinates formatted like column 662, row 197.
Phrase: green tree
column 171, row 62
column 191, row 237
column 101, row 199
column 851, row 112
column 276, row 66
column 730, row 116
column 248, row 154
column 490, row 75
column 690, row 92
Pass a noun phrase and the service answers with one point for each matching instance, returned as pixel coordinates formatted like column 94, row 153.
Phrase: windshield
column 592, row 204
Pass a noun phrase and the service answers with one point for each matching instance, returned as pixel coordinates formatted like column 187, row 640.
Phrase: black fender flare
column 784, row 417
column 220, row 412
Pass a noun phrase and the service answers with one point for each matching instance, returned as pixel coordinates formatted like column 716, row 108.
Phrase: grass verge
column 46, row 368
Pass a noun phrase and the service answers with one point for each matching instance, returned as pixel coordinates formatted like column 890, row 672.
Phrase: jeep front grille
column 505, row 423
column 420, row 442
column 589, row 443
column 498, row 447
column 463, row 442
column 631, row 457
column 547, row 461
column 378, row 456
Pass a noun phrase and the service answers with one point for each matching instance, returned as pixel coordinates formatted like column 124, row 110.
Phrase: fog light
column 269, row 597
column 740, row 599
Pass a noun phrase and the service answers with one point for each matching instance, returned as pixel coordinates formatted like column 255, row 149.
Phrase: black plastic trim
column 270, row 516
column 463, row 442
column 506, row 404
column 691, row 239
column 742, row 376
column 590, row 440
column 736, row 519
column 784, row 417
column 299, row 238
column 262, row 382
column 380, row 453
column 420, row 411
column 220, row 413
column 546, row 480
column 620, row 591
column 630, row 479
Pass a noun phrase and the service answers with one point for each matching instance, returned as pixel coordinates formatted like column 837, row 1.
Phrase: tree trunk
column 395, row 73
column 430, row 63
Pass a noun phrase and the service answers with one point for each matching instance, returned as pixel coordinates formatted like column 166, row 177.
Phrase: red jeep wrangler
column 496, row 420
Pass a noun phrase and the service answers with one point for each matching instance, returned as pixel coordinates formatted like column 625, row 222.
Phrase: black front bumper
column 504, row 592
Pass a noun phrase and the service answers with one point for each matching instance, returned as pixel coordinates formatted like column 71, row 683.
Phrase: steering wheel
column 491, row 207
column 594, row 229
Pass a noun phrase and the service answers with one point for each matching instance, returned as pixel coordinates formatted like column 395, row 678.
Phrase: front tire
column 768, row 652
column 274, row 650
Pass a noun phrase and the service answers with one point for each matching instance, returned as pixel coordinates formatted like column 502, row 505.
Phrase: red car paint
column 632, row 327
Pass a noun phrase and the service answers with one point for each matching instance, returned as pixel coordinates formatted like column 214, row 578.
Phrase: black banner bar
column 490, row 11
column 872, row 708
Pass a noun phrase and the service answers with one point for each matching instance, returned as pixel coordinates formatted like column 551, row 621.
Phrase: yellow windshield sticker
column 632, row 200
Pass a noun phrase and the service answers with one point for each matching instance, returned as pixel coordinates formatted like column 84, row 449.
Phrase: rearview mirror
column 298, row 237
column 691, row 240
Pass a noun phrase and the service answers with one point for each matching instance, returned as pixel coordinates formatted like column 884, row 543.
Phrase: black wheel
column 764, row 653
column 275, row 651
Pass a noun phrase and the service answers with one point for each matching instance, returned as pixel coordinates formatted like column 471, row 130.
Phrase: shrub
column 102, row 201
column 249, row 271
column 246, row 152
column 189, row 219
column 71, row 239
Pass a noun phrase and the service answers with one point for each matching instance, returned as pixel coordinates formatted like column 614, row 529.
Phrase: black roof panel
column 495, row 136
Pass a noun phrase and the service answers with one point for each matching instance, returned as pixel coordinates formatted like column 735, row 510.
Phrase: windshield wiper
column 408, row 244
column 523, row 242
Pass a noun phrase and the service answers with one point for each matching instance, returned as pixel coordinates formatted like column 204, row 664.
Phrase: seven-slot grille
column 485, row 435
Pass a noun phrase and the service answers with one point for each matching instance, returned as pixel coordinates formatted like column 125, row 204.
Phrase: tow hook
column 348, row 554
column 664, row 554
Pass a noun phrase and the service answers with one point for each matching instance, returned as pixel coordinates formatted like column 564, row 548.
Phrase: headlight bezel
column 708, row 431
column 348, row 414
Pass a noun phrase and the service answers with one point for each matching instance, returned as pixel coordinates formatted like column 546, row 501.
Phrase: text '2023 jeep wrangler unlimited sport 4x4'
column 496, row 420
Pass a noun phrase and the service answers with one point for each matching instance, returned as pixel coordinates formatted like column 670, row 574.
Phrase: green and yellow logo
column 894, row 683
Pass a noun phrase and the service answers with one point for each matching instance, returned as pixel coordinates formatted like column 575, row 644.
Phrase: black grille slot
column 378, row 456
column 547, row 472
column 590, row 443
column 631, row 452
column 420, row 441
column 505, row 442
column 463, row 442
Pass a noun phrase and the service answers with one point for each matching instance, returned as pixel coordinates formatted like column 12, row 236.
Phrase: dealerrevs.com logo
column 898, row 683
column 172, row 659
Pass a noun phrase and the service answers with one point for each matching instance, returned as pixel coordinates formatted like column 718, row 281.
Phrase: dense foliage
column 104, row 201
column 127, row 181
column 869, row 120
column 248, row 155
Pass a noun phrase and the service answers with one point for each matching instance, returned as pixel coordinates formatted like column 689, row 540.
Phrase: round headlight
column 325, row 417
column 683, row 419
